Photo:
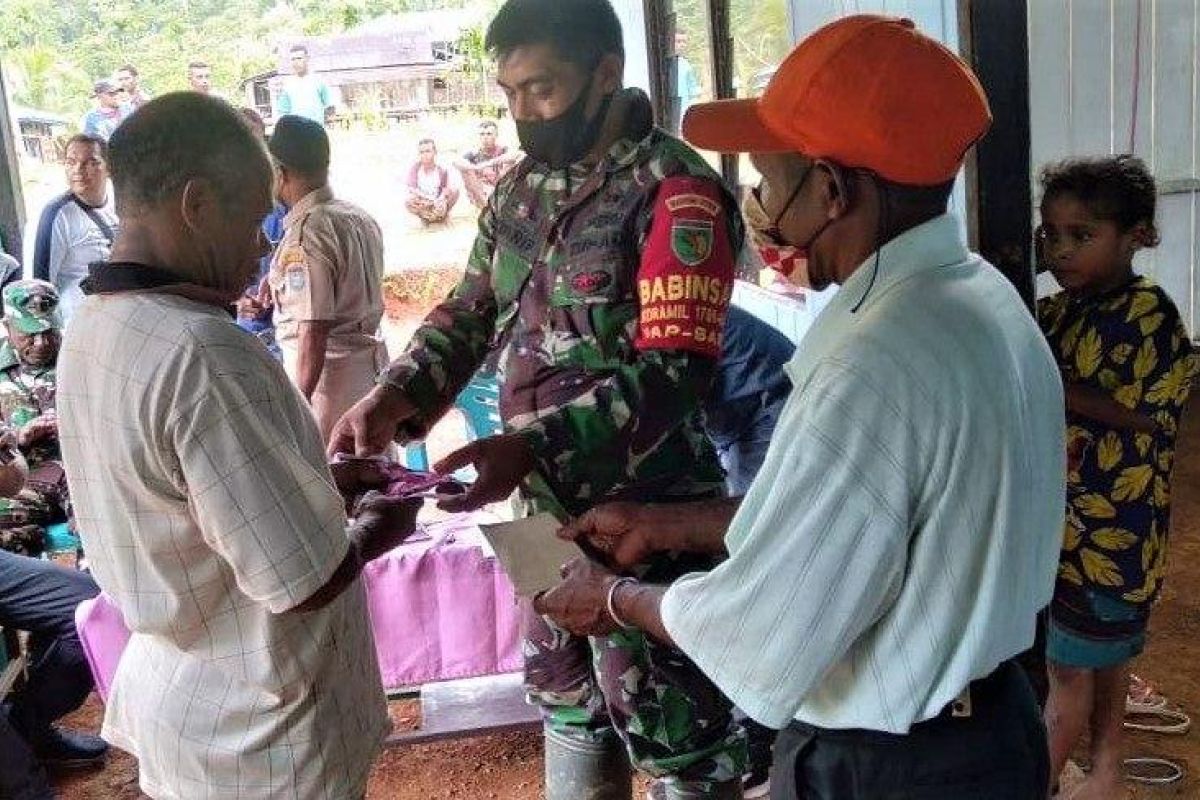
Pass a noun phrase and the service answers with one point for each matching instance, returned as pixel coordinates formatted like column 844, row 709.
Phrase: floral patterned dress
column 1130, row 343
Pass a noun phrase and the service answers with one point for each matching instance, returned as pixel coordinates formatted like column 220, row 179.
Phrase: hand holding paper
column 531, row 552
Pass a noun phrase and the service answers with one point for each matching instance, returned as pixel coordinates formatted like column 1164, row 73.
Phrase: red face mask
column 789, row 260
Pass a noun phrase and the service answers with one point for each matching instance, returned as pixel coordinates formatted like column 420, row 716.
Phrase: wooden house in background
column 389, row 69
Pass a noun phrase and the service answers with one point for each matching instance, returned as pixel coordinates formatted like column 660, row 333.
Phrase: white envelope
column 530, row 552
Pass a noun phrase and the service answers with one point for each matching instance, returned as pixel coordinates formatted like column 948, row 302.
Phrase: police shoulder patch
column 294, row 267
column 297, row 278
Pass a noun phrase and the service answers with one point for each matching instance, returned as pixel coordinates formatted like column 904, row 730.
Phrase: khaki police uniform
column 329, row 268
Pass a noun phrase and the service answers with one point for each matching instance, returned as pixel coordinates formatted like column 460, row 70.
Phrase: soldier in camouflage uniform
column 28, row 354
column 601, row 274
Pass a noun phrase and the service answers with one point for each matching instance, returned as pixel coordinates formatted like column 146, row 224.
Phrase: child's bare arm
column 1095, row 404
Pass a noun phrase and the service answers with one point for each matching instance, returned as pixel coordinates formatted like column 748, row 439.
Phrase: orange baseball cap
column 866, row 91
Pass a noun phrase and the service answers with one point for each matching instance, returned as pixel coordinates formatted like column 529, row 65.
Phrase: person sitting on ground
column 430, row 193
column 102, row 120
column 40, row 598
column 28, row 357
column 482, row 169
column 1127, row 367
column 207, row 508
column 77, row 227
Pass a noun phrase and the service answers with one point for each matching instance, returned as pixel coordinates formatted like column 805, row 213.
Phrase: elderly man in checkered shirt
column 203, row 496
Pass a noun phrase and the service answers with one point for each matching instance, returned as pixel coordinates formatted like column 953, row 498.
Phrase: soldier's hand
column 37, row 429
column 501, row 461
column 373, row 423
column 382, row 523
column 623, row 533
column 580, row 602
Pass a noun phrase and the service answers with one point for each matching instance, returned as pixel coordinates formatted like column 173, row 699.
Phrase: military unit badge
column 692, row 241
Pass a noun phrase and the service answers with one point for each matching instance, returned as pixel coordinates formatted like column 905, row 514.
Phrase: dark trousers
column 21, row 776
column 999, row 752
column 40, row 597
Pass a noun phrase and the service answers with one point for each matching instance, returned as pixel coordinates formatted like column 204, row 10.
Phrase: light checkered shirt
column 206, row 510
column 905, row 527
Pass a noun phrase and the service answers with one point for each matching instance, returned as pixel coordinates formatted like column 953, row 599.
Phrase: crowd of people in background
column 814, row 568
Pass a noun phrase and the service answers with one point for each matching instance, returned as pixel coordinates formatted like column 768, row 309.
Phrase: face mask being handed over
column 567, row 138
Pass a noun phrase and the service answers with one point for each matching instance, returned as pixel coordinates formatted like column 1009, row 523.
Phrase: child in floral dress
column 1127, row 366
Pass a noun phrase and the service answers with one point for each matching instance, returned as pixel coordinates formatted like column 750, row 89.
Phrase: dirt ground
column 509, row 767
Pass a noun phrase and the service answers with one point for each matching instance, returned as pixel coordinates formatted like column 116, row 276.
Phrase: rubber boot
column 578, row 769
column 674, row 789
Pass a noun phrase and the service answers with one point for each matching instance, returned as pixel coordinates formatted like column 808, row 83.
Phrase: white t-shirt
column 207, row 510
column 905, row 527
column 429, row 182
column 63, row 241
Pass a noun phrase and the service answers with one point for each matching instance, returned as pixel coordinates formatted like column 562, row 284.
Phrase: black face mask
column 567, row 138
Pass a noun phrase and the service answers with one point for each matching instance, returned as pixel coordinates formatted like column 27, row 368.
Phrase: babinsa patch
column 692, row 241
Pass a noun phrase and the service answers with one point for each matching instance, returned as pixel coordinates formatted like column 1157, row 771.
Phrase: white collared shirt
column 207, row 510
column 905, row 527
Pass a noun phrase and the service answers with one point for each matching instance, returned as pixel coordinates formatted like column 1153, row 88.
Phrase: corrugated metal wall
column 1106, row 76
column 1111, row 76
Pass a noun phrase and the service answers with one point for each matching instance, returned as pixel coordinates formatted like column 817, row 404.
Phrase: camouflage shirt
column 26, row 393
column 601, row 291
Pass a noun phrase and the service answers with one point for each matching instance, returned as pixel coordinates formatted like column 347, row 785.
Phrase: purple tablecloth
column 441, row 608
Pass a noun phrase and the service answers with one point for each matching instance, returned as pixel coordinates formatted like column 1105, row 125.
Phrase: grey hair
column 180, row 137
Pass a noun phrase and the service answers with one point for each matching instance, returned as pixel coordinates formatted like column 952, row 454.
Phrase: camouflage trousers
column 43, row 501
column 673, row 721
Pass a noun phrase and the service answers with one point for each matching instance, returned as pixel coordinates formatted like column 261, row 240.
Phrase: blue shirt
column 750, row 376
column 272, row 226
column 687, row 84
column 99, row 122
column 305, row 97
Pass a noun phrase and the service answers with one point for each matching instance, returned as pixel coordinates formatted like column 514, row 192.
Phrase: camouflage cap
column 31, row 306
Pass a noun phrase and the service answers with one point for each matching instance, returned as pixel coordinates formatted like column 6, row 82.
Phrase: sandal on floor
column 1155, row 771
column 1161, row 720
column 1143, row 697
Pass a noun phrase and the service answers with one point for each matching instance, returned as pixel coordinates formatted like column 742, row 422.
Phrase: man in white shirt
column 431, row 194
column 304, row 95
column 77, row 227
column 891, row 556
column 203, row 496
